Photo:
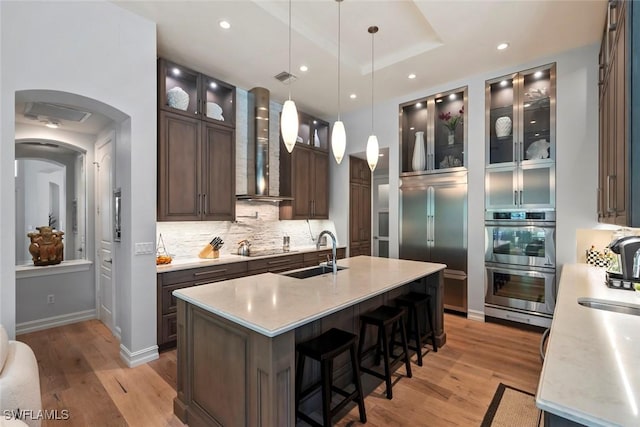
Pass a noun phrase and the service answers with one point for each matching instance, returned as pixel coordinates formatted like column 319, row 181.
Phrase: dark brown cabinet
column 312, row 259
column 359, row 207
column 304, row 175
column 616, row 149
column 196, row 169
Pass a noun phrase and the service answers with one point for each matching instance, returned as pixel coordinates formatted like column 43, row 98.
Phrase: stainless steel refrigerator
column 433, row 227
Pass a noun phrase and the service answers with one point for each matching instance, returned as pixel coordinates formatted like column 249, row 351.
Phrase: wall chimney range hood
column 258, row 148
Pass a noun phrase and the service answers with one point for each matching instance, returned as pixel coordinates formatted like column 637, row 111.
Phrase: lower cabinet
column 174, row 280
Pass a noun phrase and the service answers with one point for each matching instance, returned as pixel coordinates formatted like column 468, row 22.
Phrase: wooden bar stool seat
column 415, row 302
column 324, row 349
column 384, row 317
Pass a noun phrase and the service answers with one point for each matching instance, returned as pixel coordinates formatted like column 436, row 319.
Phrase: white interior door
column 380, row 216
column 104, row 232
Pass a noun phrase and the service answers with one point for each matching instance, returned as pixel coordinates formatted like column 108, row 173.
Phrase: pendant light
column 373, row 149
column 289, row 118
column 338, row 135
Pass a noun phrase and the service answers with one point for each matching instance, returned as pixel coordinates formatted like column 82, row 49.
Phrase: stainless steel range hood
column 258, row 148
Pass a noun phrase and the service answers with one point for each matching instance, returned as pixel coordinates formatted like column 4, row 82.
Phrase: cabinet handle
column 612, row 5
column 515, row 197
column 520, row 197
column 204, row 273
column 609, row 210
column 204, row 204
column 199, row 203
column 615, row 193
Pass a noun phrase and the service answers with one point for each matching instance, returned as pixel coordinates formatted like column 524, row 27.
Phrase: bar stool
column 383, row 317
column 414, row 301
column 324, row 349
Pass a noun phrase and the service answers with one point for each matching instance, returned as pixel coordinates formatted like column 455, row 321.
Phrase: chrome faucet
column 333, row 250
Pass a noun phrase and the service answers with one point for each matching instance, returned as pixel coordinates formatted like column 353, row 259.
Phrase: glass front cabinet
column 433, row 134
column 520, row 135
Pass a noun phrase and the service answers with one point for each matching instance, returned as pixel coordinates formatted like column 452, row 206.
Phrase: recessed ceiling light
column 381, row 155
column 419, row 104
column 537, row 134
column 411, row 76
column 353, row 96
column 533, row 122
column 315, row 122
column 527, row 105
column 537, row 74
column 225, row 25
column 213, row 85
column 176, row 71
column 52, row 124
column 439, row 100
column 304, row 68
column 452, row 96
column 502, row 46
column 411, row 128
column 503, row 83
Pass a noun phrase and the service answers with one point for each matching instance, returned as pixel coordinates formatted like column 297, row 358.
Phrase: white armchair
column 19, row 383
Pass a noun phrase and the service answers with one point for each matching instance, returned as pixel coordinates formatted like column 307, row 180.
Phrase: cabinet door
column 448, row 225
column 502, row 122
column 501, row 188
column 621, row 120
column 414, row 227
column 537, row 185
column 320, row 185
column 365, row 217
column 218, row 173
column 178, row 168
column 301, row 163
column 178, row 89
column 537, row 130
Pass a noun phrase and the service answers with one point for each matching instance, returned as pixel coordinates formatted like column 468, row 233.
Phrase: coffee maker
column 627, row 249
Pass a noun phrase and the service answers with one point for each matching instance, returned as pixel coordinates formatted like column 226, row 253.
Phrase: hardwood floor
column 80, row 370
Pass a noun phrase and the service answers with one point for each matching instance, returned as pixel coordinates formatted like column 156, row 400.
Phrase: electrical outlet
column 51, row 299
column 144, row 248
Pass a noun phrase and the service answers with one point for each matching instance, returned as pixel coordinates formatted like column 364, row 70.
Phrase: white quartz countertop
column 226, row 258
column 591, row 372
column 272, row 304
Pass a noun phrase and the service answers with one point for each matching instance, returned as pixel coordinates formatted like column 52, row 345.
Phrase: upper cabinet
column 520, row 136
column 196, row 152
column 304, row 173
column 433, row 133
column 619, row 114
column 193, row 94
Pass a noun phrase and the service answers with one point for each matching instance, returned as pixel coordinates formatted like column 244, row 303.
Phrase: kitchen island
column 590, row 374
column 236, row 339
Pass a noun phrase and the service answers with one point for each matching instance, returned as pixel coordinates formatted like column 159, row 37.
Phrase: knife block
column 209, row 253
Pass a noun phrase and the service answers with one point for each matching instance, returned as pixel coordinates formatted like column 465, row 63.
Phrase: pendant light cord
column 339, row 1
column 372, row 72
column 289, row 51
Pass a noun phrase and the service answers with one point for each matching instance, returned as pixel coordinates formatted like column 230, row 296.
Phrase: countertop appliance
column 627, row 249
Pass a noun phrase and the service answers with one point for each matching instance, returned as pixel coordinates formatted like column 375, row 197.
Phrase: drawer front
column 276, row 264
column 315, row 258
column 168, row 300
column 169, row 328
column 205, row 274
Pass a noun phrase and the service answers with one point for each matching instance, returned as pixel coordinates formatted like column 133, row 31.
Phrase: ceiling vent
column 41, row 110
column 285, row 77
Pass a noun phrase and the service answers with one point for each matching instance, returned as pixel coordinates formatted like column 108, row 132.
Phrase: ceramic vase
column 316, row 139
column 451, row 138
column 503, row 127
column 418, row 162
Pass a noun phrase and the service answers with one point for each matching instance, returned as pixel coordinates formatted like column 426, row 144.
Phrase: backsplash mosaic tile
column 186, row 239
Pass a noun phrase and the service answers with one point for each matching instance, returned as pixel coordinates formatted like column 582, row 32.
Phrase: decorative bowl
column 178, row 98
column 214, row 111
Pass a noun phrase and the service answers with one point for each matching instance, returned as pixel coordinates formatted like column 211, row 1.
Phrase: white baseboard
column 52, row 322
column 139, row 357
column 475, row 315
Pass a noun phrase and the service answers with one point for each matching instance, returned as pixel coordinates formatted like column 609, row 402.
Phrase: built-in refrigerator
column 433, row 228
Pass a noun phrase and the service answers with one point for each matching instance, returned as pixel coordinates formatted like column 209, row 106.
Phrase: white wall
column 104, row 53
column 576, row 176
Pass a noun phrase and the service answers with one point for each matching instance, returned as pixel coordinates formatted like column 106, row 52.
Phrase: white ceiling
column 439, row 41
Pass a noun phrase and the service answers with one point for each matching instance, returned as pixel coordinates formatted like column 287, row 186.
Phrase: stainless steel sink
column 617, row 307
column 312, row 272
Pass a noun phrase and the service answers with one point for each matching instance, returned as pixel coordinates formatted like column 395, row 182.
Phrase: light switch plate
column 144, row 248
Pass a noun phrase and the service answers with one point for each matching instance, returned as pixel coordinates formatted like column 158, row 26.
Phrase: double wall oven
column 520, row 265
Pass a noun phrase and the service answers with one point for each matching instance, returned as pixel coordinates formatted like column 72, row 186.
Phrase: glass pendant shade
column 338, row 141
column 373, row 150
column 289, row 124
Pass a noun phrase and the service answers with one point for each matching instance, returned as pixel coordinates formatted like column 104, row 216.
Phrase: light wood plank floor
column 80, row 370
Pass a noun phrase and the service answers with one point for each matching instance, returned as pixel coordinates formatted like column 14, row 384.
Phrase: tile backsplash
column 599, row 238
column 256, row 221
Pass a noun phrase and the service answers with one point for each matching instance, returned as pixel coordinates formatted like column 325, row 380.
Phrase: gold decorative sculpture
column 46, row 246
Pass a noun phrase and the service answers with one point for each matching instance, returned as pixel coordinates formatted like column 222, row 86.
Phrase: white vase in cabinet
column 503, row 127
column 418, row 162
